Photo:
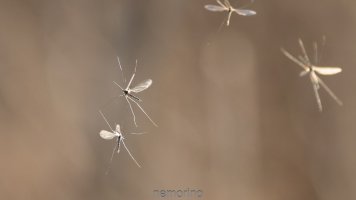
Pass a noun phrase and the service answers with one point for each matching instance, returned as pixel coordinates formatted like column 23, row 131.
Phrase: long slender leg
column 133, row 114
column 132, row 77
column 118, row 85
column 315, row 88
column 315, row 83
column 304, row 51
column 111, row 158
column 316, row 59
column 130, row 153
column 222, row 24
column 107, row 122
column 122, row 72
column 228, row 18
column 294, row 59
column 331, row 93
column 323, row 42
column 303, row 73
column 138, row 133
column 227, row 3
column 144, row 112
column 221, row 4
column 136, row 64
column 112, row 98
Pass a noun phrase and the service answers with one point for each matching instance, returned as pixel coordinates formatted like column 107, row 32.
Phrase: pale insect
column 227, row 7
column 117, row 133
column 313, row 71
column 127, row 93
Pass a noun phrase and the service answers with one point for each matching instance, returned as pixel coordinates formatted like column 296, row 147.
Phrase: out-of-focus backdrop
column 235, row 119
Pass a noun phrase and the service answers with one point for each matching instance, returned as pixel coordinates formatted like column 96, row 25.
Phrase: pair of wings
column 243, row 12
column 141, row 86
column 107, row 135
column 319, row 70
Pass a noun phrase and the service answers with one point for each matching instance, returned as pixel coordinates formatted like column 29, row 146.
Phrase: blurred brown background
column 235, row 120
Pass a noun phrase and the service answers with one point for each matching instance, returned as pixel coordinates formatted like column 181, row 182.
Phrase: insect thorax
column 311, row 68
column 126, row 92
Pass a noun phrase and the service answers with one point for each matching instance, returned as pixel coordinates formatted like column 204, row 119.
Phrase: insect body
column 313, row 71
column 127, row 93
column 227, row 7
column 109, row 135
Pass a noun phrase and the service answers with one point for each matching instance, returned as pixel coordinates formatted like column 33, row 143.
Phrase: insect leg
column 111, row 158
column 143, row 111
column 331, row 93
column 107, row 122
column 122, row 72
column 315, row 83
column 130, row 153
column 133, row 114
column 228, row 18
column 304, row 51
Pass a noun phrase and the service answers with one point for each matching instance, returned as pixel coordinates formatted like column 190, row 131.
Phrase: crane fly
column 117, row 133
column 227, row 7
column 128, row 92
column 313, row 70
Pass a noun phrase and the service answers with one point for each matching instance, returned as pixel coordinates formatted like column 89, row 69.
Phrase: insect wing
column 245, row 12
column 107, row 135
column 327, row 70
column 142, row 86
column 214, row 8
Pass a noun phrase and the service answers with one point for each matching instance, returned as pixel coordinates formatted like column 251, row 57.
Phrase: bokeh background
column 235, row 119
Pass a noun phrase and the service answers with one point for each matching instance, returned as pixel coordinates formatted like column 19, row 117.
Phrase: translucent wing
column 142, row 86
column 327, row 70
column 107, row 135
column 245, row 12
column 214, row 8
